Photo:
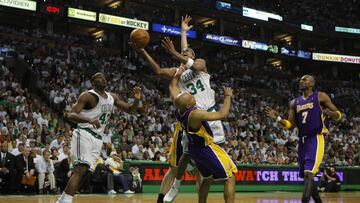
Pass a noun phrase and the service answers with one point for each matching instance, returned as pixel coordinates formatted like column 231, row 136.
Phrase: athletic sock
column 67, row 198
column 177, row 183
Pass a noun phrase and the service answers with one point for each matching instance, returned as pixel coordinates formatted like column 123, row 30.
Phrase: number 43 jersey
column 102, row 111
column 198, row 84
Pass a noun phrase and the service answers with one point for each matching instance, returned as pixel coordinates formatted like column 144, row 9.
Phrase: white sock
column 67, row 198
column 177, row 183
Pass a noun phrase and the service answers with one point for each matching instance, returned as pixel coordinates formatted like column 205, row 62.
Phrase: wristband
column 278, row 119
column 189, row 63
column 340, row 115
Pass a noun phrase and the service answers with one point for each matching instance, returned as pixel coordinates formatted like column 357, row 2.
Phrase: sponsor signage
column 288, row 52
column 166, row 29
column 121, row 21
column 247, row 175
column 223, row 40
column 347, row 29
column 223, row 6
column 304, row 54
column 52, row 9
column 336, row 58
column 259, row 46
column 260, row 15
column 21, row 4
column 81, row 14
column 307, row 27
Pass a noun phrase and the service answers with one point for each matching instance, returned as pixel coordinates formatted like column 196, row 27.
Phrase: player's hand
column 185, row 23
column 271, row 112
column 168, row 45
column 133, row 45
column 228, row 91
column 179, row 71
column 95, row 123
column 137, row 92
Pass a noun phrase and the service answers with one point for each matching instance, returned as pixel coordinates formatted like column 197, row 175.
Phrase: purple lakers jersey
column 203, row 137
column 309, row 117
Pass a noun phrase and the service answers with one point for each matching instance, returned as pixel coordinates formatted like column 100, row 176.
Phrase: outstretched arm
column 287, row 124
column 184, row 28
column 195, row 65
column 131, row 109
column 198, row 116
column 173, row 86
column 330, row 109
column 166, row 73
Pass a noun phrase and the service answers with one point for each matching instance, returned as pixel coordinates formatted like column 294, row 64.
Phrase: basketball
column 140, row 38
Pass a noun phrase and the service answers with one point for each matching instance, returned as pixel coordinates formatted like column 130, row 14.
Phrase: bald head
column 306, row 82
column 184, row 100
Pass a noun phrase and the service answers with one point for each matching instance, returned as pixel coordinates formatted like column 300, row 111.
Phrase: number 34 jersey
column 102, row 111
column 198, row 84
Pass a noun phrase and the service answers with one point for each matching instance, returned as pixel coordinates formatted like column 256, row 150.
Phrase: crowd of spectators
column 33, row 128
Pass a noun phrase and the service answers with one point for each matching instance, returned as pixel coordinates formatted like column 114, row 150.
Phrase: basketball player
column 210, row 159
column 309, row 113
column 196, row 81
column 92, row 112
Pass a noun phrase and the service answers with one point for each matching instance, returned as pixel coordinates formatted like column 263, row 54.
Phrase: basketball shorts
column 310, row 153
column 212, row 161
column 176, row 148
column 217, row 129
column 85, row 148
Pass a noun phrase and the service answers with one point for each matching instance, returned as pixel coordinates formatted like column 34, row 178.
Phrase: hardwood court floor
column 266, row 197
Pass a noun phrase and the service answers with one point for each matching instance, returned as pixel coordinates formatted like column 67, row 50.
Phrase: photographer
column 330, row 181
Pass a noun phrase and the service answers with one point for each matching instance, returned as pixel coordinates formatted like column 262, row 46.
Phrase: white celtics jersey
column 198, row 84
column 102, row 111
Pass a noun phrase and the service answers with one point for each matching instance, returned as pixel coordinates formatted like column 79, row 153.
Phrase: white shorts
column 218, row 133
column 85, row 148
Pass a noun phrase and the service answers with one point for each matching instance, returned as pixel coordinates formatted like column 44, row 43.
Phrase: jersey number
column 304, row 114
column 104, row 118
column 194, row 88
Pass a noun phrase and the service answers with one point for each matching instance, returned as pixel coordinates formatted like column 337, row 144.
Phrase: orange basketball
column 140, row 38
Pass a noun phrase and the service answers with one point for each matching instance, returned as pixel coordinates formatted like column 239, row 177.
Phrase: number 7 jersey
column 102, row 111
column 198, row 84
column 309, row 117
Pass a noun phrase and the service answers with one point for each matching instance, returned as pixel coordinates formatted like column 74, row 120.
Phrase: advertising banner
column 347, row 29
column 166, row 29
column 260, row 46
column 336, row 58
column 248, row 175
column 223, row 40
column 260, row 15
column 121, row 21
column 307, row 27
column 81, row 14
column 21, row 4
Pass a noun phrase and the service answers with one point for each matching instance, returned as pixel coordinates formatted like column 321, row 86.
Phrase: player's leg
column 315, row 146
column 166, row 183
column 181, row 158
column 204, row 189
column 229, row 190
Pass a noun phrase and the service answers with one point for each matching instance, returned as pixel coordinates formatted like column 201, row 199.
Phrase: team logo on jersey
column 304, row 106
column 106, row 108
column 188, row 76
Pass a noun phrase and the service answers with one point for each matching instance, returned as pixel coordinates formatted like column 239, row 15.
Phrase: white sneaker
column 129, row 192
column 170, row 196
column 112, row 192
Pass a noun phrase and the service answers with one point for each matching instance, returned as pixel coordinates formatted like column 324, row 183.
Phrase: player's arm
column 289, row 123
column 74, row 116
column 130, row 109
column 173, row 86
column 195, row 65
column 330, row 109
column 184, row 28
column 198, row 116
column 166, row 73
